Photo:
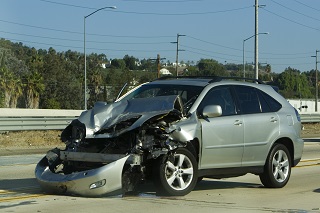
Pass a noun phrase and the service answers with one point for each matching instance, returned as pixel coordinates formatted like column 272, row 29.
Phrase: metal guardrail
column 36, row 119
column 34, row 123
column 310, row 118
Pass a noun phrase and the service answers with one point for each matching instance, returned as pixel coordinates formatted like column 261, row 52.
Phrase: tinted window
column 248, row 99
column 272, row 103
column 253, row 100
column 263, row 103
column 219, row 96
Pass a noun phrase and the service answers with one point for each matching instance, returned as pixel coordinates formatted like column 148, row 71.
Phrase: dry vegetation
column 30, row 139
column 51, row 138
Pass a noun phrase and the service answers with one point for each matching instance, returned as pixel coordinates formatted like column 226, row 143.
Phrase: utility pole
column 256, row 63
column 177, row 51
column 158, row 59
column 158, row 64
column 316, row 98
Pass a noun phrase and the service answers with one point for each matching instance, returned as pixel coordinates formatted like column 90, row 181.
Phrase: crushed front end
column 110, row 149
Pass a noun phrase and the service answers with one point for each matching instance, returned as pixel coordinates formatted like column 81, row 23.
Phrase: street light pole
column 84, row 50
column 316, row 98
column 243, row 52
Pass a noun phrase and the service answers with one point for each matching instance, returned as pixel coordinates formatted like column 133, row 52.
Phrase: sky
column 208, row 29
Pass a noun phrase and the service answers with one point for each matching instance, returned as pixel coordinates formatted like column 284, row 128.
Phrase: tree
column 10, row 74
column 293, row 84
column 33, row 87
column 95, row 86
column 130, row 62
column 118, row 64
column 6, row 85
column 147, row 64
column 18, row 92
column 211, row 67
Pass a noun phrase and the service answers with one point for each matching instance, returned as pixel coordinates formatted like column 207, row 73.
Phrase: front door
column 223, row 136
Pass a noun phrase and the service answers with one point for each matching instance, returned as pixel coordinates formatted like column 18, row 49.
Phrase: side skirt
column 229, row 172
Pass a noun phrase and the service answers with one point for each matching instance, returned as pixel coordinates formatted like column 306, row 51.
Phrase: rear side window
column 252, row 100
column 272, row 103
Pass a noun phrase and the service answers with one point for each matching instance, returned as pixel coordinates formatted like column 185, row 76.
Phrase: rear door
column 261, row 123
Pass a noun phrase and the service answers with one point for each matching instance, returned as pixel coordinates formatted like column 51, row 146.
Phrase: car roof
column 182, row 81
column 201, row 80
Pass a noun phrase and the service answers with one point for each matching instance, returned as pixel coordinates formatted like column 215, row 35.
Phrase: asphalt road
column 20, row 192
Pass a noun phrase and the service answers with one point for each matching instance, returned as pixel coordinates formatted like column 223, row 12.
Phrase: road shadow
column 25, row 185
column 317, row 190
column 217, row 184
column 31, row 186
column 148, row 189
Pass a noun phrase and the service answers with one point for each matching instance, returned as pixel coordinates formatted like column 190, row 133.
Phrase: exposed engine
column 150, row 140
column 108, row 133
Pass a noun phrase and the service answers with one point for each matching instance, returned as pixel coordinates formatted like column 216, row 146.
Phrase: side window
column 253, row 100
column 248, row 99
column 274, row 105
column 219, row 96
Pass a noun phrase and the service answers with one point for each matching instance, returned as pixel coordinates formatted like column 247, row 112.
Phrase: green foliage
column 118, row 64
column 293, row 84
column 50, row 79
column 211, row 67
column 130, row 62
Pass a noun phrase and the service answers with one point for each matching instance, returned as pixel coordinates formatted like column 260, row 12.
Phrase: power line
column 219, row 45
column 150, row 13
column 81, row 33
column 79, row 40
column 295, row 22
column 168, row 1
column 77, row 47
column 298, row 12
column 307, row 6
column 208, row 51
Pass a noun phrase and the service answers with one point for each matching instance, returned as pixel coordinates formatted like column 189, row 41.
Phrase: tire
column 176, row 175
column 277, row 169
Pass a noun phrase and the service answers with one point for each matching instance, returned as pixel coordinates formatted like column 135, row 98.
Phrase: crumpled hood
column 103, row 116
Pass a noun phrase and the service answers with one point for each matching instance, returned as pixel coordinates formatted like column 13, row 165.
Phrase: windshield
column 188, row 93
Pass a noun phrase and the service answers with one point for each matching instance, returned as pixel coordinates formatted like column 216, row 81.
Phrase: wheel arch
column 194, row 147
column 288, row 143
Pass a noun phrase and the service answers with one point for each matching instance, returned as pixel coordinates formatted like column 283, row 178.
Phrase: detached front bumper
column 106, row 180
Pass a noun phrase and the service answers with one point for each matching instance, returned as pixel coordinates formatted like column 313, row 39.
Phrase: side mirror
column 212, row 111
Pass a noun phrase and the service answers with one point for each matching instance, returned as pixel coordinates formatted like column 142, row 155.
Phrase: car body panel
column 260, row 132
column 79, row 183
column 221, row 137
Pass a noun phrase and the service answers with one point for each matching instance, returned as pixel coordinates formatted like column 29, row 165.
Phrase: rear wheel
column 277, row 169
column 176, row 174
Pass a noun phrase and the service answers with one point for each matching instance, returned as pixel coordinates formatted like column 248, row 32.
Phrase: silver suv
column 174, row 132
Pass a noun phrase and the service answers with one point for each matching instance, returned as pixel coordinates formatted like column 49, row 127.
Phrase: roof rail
column 186, row 77
column 212, row 78
column 237, row 78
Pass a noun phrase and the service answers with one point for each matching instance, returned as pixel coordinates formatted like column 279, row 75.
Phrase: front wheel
column 277, row 169
column 176, row 174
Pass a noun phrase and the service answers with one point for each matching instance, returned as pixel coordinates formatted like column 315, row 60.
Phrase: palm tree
column 17, row 92
column 33, row 87
column 6, row 84
column 96, row 81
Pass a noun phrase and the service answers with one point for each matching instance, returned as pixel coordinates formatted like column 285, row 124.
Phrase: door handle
column 238, row 123
column 273, row 120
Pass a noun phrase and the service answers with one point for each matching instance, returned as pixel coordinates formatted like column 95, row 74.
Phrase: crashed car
column 175, row 132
